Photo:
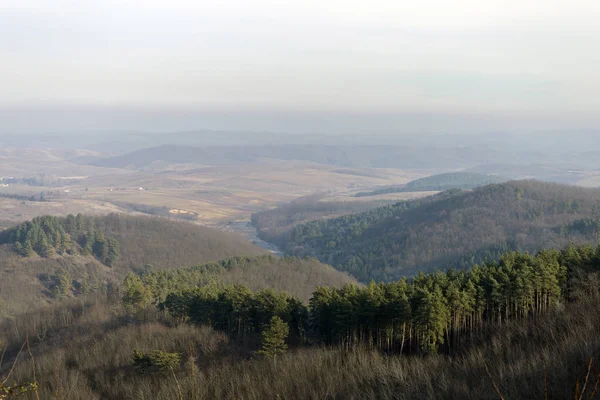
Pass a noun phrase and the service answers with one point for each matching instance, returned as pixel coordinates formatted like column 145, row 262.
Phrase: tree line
column 49, row 235
column 428, row 313
column 37, row 198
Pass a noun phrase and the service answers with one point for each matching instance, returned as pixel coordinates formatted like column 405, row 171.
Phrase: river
column 246, row 229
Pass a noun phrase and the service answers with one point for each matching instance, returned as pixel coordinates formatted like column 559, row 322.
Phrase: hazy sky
column 314, row 65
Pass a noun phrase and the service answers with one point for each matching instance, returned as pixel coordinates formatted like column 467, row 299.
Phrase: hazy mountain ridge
column 476, row 159
column 439, row 182
column 346, row 155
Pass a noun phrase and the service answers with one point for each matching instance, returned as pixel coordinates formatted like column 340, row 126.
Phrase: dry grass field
column 209, row 195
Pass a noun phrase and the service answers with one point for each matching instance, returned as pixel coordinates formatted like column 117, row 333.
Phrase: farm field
column 208, row 195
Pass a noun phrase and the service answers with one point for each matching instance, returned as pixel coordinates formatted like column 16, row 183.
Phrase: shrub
column 156, row 361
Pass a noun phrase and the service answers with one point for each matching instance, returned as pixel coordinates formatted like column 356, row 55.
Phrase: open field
column 209, row 195
column 382, row 197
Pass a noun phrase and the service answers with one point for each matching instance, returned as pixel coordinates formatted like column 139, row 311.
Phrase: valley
column 299, row 200
column 183, row 269
column 207, row 194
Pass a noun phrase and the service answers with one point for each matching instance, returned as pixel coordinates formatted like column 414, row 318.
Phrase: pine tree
column 88, row 243
column 100, row 247
column 45, row 249
column 79, row 222
column 67, row 243
column 64, row 284
column 273, row 338
column 58, row 243
column 85, row 286
column 113, row 252
column 136, row 296
column 19, row 249
column 27, row 249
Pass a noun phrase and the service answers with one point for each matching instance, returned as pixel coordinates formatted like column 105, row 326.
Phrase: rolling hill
column 142, row 244
column 297, row 277
column 545, row 343
column 451, row 229
column 345, row 155
column 148, row 246
column 271, row 225
column 440, row 182
column 566, row 173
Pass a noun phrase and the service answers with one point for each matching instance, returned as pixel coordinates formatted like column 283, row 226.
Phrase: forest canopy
column 49, row 235
column 451, row 229
column 425, row 314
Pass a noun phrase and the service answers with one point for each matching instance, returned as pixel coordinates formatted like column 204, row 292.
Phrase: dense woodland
column 157, row 325
column 424, row 313
column 297, row 277
column 155, row 210
column 440, row 182
column 505, row 328
column 48, row 235
column 452, row 229
column 274, row 225
column 39, row 198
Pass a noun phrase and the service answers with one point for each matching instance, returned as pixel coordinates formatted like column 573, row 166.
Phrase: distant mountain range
column 488, row 161
column 376, row 156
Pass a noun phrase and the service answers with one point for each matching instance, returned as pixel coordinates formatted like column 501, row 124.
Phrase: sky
column 297, row 66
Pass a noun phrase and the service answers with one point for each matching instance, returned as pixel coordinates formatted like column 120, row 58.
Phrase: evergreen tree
column 19, row 249
column 28, row 249
column 63, row 284
column 112, row 252
column 45, row 249
column 67, row 243
column 99, row 246
column 85, row 286
column 135, row 295
column 273, row 338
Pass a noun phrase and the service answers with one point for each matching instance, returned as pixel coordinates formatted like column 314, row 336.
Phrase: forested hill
column 125, row 242
column 152, row 242
column 294, row 276
column 272, row 225
column 47, row 236
column 452, row 229
column 524, row 328
column 440, row 182
column 50, row 257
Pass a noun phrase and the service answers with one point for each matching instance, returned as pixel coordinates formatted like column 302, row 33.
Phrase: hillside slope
column 272, row 224
column 142, row 243
column 377, row 156
column 440, row 182
column 452, row 229
column 295, row 276
column 95, row 348
column 161, row 243
column 138, row 242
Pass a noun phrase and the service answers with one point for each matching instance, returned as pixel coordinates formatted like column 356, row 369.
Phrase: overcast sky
column 299, row 65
